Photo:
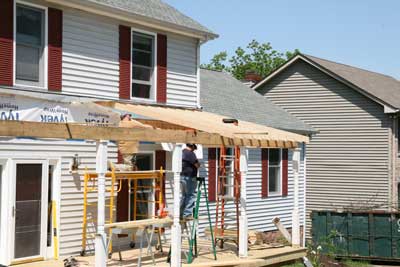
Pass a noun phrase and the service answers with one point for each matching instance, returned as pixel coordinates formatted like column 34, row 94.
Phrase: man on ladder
column 190, row 166
column 192, row 188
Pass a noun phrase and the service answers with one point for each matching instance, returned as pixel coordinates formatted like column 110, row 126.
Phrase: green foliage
column 260, row 58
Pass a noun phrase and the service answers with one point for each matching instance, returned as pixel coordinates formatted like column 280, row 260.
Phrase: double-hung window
column 30, row 45
column 143, row 62
column 274, row 172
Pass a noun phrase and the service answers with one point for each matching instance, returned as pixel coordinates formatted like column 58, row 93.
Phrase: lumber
column 139, row 223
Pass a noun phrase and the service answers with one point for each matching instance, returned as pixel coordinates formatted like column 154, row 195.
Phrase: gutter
column 125, row 16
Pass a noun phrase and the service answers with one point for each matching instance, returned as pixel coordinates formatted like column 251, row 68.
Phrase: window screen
column 29, row 45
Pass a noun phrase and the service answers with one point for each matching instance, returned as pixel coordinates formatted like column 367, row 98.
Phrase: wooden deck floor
column 259, row 256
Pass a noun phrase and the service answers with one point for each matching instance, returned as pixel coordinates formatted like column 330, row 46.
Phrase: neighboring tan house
column 351, row 161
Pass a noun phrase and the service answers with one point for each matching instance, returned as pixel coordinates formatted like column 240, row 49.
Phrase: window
column 143, row 65
column 144, row 195
column 30, row 45
column 274, row 172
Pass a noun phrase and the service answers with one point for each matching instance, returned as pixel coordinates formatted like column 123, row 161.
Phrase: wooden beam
column 91, row 132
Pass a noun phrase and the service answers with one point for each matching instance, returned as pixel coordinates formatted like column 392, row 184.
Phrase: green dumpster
column 371, row 235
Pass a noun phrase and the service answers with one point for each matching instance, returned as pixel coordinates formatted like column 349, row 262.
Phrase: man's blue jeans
column 188, row 187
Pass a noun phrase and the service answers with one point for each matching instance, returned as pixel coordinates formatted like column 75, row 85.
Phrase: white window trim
column 45, row 52
column 153, row 91
column 279, row 193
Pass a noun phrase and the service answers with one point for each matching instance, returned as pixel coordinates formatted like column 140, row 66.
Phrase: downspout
column 394, row 145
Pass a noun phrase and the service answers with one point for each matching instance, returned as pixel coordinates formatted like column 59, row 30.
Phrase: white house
column 134, row 51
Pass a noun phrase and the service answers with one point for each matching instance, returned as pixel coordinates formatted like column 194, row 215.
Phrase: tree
column 258, row 58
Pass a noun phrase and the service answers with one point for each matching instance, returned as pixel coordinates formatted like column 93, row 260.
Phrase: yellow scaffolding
column 116, row 178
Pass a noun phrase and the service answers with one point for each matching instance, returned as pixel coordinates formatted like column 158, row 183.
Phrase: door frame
column 44, row 208
column 8, row 200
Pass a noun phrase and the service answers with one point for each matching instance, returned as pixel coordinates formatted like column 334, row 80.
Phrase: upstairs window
column 143, row 62
column 30, row 45
column 274, row 172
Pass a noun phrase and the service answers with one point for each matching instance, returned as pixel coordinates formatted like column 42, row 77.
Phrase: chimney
column 251, row 77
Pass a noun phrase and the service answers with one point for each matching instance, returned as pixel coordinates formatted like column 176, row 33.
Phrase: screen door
column 28, row 210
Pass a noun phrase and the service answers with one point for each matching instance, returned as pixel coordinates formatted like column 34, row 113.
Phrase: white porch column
column 296, row 214
column 243, row 231
column 101, row 169
column 176, row 227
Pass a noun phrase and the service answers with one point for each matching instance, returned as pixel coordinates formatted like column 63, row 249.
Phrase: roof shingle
column 222, row 94
column 156, row 10
column 383, row 87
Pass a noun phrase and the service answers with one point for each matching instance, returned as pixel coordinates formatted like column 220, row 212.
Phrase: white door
column 29, row 212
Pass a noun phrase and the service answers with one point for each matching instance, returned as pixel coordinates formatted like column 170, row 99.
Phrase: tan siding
column 348, row 160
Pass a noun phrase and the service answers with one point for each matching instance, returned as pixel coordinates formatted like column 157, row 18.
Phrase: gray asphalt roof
column 156, row 10
column 222, row 94
column 383, row 87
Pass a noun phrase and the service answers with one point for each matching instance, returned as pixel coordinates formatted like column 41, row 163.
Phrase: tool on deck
column 228, row 190
column 191, row 226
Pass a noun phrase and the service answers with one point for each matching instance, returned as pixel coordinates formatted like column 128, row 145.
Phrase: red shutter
column 212, row 173
column 124, row 62
column 264, row 172
column 122, row 198
column 6, row 42
column 285, row 154
column 161, row 68
column 160, row 161
column 55, row 21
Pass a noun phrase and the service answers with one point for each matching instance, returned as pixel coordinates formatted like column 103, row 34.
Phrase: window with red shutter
column 285, row 155
column 6, row 42
column 55, row 19
column 124, row 62
column 212, row 174
column 274, row 173
column 161, row 68
column 264, row 172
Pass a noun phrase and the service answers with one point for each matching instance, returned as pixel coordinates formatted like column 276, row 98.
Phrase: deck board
column 259, row 256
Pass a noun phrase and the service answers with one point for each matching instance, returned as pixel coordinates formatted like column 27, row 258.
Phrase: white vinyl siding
column 348, row 160
column 181, row 71
column 90, row 64
column 71, row 203
column 260, row 211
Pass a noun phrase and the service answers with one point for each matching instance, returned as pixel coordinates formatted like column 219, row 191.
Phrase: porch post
column 176, row 227
column 296, row 214
column 101, row 169
column 243, row 231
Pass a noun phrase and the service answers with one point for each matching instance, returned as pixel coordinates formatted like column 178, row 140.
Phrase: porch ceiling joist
column 251, row 134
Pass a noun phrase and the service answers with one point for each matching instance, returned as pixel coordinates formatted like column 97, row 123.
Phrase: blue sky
column 362, row 33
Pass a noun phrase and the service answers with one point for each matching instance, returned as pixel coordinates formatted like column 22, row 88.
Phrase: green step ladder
column 192, row 238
